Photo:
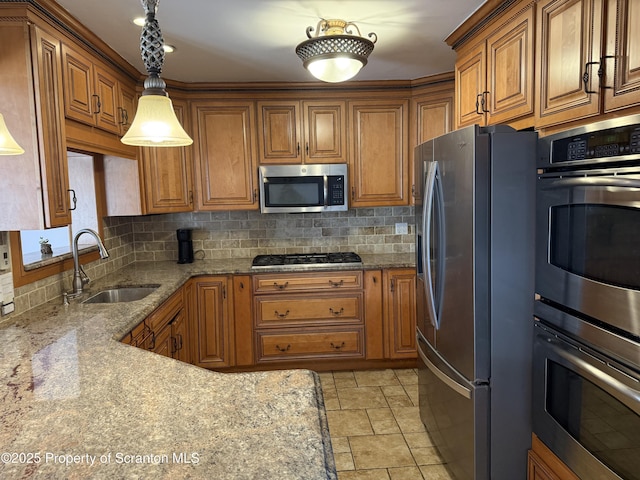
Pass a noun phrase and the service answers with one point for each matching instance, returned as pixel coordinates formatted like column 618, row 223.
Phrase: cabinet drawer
column 140, row 336
column 281, row 310
column 166, row 312
column 321, row 343
column 302, row 282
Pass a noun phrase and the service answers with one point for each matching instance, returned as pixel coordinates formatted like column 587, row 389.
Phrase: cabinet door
column 127, row 107
column 568, row 53
column 400, row 306
column 106, row 89
column 162, row 342
column 622, row 55
column 279, row 132
column 510, row 64
column 379, row 161
column 80, row 103
column 166, row 174
column 179, row 338
column 212, row 324
column 53, row 152
column 325, row 132
column 225, row 155
column 470, row 81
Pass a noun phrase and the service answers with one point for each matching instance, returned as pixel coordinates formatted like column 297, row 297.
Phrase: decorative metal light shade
column 336, row 55
column 155, row 123
column 8, row 146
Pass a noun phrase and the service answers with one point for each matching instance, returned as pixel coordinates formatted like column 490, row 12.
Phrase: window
column 28, row 262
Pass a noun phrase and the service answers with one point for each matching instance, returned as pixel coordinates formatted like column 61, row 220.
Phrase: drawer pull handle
column 281, row 286
column 336, row 313
column 286, row 349
column 337, row 347
column 336, row 284
column 282, row 315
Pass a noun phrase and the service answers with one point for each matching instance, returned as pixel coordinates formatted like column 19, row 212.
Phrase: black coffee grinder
column 185, row 245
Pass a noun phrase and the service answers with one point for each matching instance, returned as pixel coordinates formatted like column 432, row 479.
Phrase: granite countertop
column 80, row 404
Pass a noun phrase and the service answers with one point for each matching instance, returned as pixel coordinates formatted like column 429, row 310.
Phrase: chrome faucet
column 80, row 278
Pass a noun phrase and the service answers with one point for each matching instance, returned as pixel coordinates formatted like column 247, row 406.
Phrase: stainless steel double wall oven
column 587, row 343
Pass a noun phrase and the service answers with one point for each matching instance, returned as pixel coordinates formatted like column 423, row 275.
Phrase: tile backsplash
column 234, row 234
column 239, row 234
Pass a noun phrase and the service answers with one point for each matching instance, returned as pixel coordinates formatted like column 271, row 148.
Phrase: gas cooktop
column 300, row 261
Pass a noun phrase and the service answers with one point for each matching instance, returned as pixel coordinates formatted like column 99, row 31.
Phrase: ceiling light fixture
column 8, row 146
column 335, row 54
column 155, row 123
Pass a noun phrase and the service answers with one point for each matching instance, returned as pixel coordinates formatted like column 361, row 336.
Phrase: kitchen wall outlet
column 6, row 289
column 4, row 257
column 8, row 308
column 402, row 229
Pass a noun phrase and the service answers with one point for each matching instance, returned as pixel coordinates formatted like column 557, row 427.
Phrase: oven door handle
column 590, row 182
column 627, row 395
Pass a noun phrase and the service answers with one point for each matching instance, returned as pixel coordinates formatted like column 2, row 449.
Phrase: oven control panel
column 605, row 143
column 609, row 141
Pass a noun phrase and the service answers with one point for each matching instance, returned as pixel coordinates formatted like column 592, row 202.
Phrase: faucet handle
column 85, row 277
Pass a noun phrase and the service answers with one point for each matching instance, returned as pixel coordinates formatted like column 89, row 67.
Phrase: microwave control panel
column 336, row 190
column 623, row 141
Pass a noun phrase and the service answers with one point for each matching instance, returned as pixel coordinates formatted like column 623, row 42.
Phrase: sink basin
column 122, row 294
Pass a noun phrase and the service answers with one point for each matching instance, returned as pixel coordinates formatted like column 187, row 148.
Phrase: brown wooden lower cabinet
column 212, row 328
column 544, row 465
column 400, row 312
column 164, row 331
column 352, row 318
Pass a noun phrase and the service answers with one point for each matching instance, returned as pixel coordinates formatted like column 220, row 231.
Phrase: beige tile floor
column 375, row 426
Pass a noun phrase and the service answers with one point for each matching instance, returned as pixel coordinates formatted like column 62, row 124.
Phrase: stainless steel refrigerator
column 475, row 260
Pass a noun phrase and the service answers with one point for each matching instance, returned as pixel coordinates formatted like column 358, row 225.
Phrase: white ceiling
column 255, row 40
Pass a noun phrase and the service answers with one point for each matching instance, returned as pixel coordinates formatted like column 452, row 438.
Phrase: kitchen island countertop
column 77, row 403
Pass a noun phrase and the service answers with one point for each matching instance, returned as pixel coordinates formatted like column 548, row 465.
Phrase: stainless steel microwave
column 303, row 188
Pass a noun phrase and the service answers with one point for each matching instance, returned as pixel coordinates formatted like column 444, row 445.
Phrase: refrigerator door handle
column 433, row 188
column 446, row 379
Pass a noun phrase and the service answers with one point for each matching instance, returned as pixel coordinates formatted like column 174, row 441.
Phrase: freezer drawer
column 455, row 413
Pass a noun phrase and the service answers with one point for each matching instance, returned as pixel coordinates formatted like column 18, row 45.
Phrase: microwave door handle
column 591, row 182
column 326, row 190
column 626, row 394
column 429, row 189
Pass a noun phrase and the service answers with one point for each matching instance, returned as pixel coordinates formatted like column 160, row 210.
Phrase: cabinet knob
column 281, row 286
column 336, row 284
column 281, row 315
column 337, row 347
column 336, row 313
column 281, row 349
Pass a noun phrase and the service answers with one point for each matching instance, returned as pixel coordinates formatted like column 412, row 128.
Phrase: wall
column 233, row 234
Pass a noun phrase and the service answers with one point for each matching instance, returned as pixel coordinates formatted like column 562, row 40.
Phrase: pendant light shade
column 8, row 146
column 335, row 54
column 155, row 123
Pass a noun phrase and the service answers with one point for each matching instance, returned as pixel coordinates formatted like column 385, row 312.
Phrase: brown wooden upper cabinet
column 569, row 37
column 379, row 160
column 34, row 185
column 494, row 78
column 166, row 173
column 597, row 70
column 225, row 159
column 309, row 131
column 92, row 92
column 621, row 83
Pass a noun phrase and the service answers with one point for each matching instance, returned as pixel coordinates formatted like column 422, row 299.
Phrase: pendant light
column 8, row 146
column 155, row 123
column 335, row 54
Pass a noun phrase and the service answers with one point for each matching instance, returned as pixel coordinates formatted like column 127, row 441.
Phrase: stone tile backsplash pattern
column 244, row 234
column 234, row 234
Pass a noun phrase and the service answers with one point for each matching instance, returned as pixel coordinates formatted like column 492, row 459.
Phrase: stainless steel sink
column 122, row 294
